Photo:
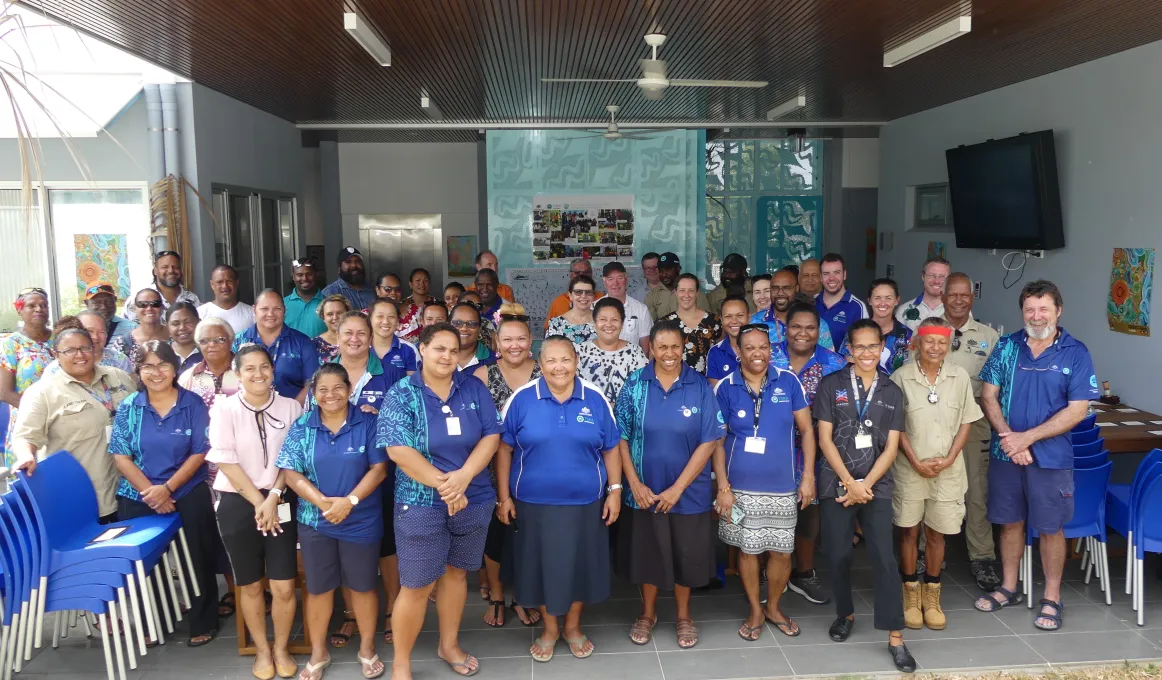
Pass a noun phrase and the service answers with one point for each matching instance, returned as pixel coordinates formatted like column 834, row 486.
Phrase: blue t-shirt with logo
column 775, row 469
column 160, row 445
column 840, row 315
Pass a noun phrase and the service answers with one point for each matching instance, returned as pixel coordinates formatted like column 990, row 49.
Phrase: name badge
column 863, row 441
column 284, row 515
column 108, row 433
column 453, row 426
column 756, row 444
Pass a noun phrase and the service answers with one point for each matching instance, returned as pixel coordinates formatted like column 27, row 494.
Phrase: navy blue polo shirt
column 335, row 463
column 293, row 354
column 415, row 416
column 774, row 470
column 402, row 355
column 721, row 361
column 557, row 448
column 1042, row 387
column 663, row 429
column 359, row 299
column 842, row 314
column 161, row 445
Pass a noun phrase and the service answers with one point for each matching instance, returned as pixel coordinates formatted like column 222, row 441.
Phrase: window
column 255, row 235
column 22, row 230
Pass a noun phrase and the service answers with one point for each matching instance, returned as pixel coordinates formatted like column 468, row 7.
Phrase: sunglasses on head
column 103, row 288
column 515, row 317
column 167, row 253
column 32, row 291
column 308, row 262
column 746, row 328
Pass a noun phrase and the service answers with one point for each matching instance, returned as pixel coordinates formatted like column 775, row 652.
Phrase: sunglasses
column 956, row 335
column 148, row 304
column 32, row 291
column 390, row 288
column 579, row 292
column 303, row 263
column 515, row 317
column 461, row 323
column 746, row 328
column 167, row 253
column 105, row 288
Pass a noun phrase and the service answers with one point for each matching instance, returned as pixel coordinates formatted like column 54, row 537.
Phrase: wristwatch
column 354, row 500
column 613, row 487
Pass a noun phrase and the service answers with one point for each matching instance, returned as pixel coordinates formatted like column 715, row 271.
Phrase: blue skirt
column 560, row 556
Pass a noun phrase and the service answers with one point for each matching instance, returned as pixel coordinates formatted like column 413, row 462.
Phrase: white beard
column 1039, row 332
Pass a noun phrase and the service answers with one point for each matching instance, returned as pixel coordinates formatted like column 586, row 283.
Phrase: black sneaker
column 921, row 566
column 985, row 573
column 810, row 588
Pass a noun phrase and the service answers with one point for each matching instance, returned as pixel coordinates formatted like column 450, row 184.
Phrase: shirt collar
column 315, row 419
column 185, row 399
column 543, row 391
column 458, row 379
column 686, row 375
column 100, row 372
column 374, row 365
column 969, row 325
column 295, row 295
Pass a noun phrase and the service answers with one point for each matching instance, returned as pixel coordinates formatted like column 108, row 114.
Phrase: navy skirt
column 560, row 555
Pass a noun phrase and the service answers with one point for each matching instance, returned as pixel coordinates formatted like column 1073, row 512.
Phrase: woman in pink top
column 255, row 518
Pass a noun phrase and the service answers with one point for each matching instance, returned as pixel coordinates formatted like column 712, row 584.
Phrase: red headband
column 935, row 330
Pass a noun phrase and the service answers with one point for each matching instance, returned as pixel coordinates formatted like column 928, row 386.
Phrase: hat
column 612, row 267
column 669, row 260
column 734, row 261
column 347, row 253
column 99, row 289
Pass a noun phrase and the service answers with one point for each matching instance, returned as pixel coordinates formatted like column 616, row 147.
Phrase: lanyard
column 758, row 401
column 107, row 401
column 861, row 411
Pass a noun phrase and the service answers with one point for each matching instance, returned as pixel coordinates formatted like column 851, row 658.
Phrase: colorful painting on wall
column 461, row 256
column 1131, row 280
column 102, row 258
column 937, row 249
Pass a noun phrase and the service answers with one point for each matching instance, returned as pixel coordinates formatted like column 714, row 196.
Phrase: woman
column 433, row 313
column 577, row 323
column 607, row 360
column 247, row 430
column 514, row 367
column 701, row 329
column 723, row 357
column 388, row 347
column 150, row 324
column 761, row 294
column 452, row 293
column 72, row 410
column 24, row 354
column 212, row 376
column 882, row 297
column 330, row 311
column 181, row 319
column 334, row 467
column 561, row 492
column 441, row 428
column 94, row 324
column 411, row 310
column 670, row 426
column 467, row 322
column 487, row 325
column 159, row 445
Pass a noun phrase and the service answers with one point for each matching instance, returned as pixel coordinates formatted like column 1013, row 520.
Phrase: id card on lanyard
column 755, row 443
column 863, row 438
column 451, row 421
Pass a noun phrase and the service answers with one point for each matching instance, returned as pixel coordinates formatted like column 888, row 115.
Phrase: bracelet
column 276, row 492
column 724, row 488
column 502, row 502
column 166, row 485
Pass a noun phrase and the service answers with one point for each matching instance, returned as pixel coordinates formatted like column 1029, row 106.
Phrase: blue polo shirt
column 1042, row 387
column 557, row 448
column 335, row 463
column 359, row 299
column 372, row 387
column 160, row 445
column 302, row 315
column 415, row 416
column 842, row 314
column 721, row 361
column 774, row 470
column 777, row 330
column 402, row 355
column 663, row 429
column 293, row 354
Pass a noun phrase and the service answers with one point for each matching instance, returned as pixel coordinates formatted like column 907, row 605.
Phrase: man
column 810, row 280
column 1030, row 476
column 650, row 270
column 930, row 476
column 637, row 324
column 101, row 298
column 167, row 280
column 433, row 313
column 803, row 354
column 861, row 415
column 972, row 344
column 836, row 305
column 733, row 281
column 352, row 283
column 224, row 283
column 389, row 287
column 292, row 353
column 930, row 303
column 488, row 286
column 561, row 303
column 303, row 302
column 662, row 300
column 784, row 292
column 487, row 260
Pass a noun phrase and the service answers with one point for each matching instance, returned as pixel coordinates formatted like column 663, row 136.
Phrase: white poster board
column 536, row 287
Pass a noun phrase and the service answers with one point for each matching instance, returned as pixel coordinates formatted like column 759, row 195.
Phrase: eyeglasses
column 783, row 289
column 461, row 323
column 936, row 277
column 956, row 339
column 865, row 349
column 167, row 253
column 154, row 369
column 148, row 304
column 514, row 317
column 206, row 342
column 73, row 351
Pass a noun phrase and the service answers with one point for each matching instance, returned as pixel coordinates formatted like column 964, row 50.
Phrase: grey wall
column 1105, row 114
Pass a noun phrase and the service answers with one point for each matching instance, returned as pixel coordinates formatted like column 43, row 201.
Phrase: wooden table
column 1121, row 438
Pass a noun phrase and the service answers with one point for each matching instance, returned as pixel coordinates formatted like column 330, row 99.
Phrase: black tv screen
column 1004, row 193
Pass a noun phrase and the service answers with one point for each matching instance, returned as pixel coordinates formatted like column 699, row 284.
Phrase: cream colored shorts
column 944, row 517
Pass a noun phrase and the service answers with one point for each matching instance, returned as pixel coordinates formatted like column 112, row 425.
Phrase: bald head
column 810, row 277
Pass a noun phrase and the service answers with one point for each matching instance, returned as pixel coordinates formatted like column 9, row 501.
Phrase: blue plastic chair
column 1086, row 423
column 1120, row 505
column 22, row 605
column 1085, row 436
column 1086, row 462
column 1147, row 538
column 1089, row 448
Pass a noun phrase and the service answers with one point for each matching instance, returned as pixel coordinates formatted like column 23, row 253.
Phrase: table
column 1122, row 438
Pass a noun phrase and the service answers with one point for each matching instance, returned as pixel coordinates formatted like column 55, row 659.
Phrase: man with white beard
column 1036, row 386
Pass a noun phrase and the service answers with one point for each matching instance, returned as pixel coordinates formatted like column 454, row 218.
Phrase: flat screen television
column 1004, row 193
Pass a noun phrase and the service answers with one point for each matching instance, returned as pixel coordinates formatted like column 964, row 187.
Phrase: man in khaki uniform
column 939, row 410
column 734, row 281
column 662, row 300
column 972, row 343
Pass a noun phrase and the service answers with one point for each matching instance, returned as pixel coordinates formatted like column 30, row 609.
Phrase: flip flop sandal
column 309, row 672
column 497, row 614
column 544, row 646
column 226, row 602
column 1058, row 613
column 343, row 638
column 468, row 671
column 750, row 633
column 533, row 614
column 687, row 633
column 388, row 634
column 642, row 630
column 997, row 605
column 579, row 643
column 370, row 663
column 787, row 627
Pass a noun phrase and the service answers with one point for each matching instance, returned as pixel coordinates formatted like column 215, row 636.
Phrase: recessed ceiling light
column 789, row 106
column 367, row 38
column 928, row 41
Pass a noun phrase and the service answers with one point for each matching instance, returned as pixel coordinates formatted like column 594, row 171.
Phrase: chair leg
column 18, row 646
column 85, row 619
column 173, row 548
column 131, row 585
column 146, row 600
column 158, row 627
column 167, row 571
column 128, row 629
column 1105, row 570
column 72, row 619
column 30, row 627
column 1129, row 562
column 56, row 629
column 108, row 656
column 10, row 647
column 1082, row 545
column 161, row 603
column 189, row 562
column 40, row 611
column 4, row 633
column 1027, row 574
column 1138, row 595
column 115, row 638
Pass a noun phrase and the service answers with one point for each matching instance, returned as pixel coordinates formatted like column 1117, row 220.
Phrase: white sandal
column 308, row 673
column 369, row 663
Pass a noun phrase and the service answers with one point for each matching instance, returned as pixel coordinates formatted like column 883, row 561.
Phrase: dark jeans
column 838, row 529
column 201, row 528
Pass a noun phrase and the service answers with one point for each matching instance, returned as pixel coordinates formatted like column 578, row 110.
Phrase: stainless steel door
column 398, row 244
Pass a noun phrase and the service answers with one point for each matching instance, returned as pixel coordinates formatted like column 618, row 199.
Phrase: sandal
column 546, row 649
column 687, row 634
column 577, row 647
column 497, row 614
column 1058, row 613
column 534, row 616
column 465, row 664
column 856, row 539
column 995, row 605
column 315, row 672
column 750, row 633
column 208, row 638
column 368, row 664
column 226, row 606
column 642, row 630
column 788, row 627
column 339, row 639
column 388, row 634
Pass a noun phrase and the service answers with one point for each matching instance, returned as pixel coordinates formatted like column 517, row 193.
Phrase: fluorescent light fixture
column 429, row 107
column 928, row 41
column 363, row 34
column 789, row 106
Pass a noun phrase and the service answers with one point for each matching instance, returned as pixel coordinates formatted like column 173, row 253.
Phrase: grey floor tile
column 1079, row 617
column 490, row 669
column 711, row 635
column 1152, row 635
column 813, row 631
column 1118, row 595
column 1063, row 647
column 610, row 639
column 727, row 608
column 615, row 612
column 984, row 652
column 834, row 658
column 498, row 642
column 962, row 623
column 640, row 666
column 696, row 664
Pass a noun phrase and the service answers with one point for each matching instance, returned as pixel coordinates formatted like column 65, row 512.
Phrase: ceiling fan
column 654, row 82
column 612, row 132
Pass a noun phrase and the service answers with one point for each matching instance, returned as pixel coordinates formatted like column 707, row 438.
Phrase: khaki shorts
column 943, row 517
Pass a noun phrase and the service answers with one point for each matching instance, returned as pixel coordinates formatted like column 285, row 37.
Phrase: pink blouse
column 235, row 438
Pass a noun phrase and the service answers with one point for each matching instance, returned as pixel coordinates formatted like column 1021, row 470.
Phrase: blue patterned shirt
column 778, row 330
column 160, row 445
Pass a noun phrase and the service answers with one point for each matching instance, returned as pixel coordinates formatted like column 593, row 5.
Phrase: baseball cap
column 734, row 261
column 99, row 289
column 612, row 267
column 347, row 253
column 669, row 260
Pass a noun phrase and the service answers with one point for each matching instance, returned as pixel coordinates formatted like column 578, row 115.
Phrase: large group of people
column 405, row 441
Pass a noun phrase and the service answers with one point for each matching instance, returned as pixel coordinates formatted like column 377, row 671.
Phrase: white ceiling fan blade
column 586, row 80
column 719, row 83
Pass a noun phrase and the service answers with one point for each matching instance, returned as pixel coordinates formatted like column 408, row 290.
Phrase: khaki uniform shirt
column 715, row 297
column 662, row 301
column 931, row 429
column 61, row 413
column 977, row 342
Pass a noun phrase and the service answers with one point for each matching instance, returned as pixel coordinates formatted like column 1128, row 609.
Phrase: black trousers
column 201, row 527
column 838, row 530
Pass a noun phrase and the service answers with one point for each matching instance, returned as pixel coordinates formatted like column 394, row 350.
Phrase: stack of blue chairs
column 55, row 557
column 1128, row 507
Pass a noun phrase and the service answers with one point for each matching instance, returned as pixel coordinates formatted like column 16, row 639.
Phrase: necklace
column 932, row 396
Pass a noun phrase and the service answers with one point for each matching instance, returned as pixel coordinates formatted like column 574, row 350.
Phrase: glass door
column 256, row 235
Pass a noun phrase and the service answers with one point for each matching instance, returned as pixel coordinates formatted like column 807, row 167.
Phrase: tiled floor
column 1093, row 633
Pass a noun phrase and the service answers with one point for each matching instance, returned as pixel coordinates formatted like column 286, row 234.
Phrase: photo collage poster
column 596, row 227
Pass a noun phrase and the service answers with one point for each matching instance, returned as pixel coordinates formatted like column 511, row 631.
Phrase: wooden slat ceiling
column 482, row 60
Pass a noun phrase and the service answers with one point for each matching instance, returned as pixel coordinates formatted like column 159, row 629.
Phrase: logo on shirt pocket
column 585, row 416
